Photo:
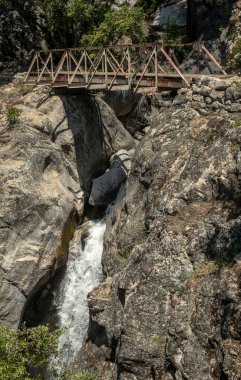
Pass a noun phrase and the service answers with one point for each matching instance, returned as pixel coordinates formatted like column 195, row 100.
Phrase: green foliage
column 57, row 20
column 237, row 123
column 12, row 114
column 159, row 340
column 171, row 33
column 91, row 22
column 205, row 269
column 235, row 148
column 123, row 256
column 149, row 6
column 235, row 63
column 125, row 21
column 84, row 15
column 25, row 348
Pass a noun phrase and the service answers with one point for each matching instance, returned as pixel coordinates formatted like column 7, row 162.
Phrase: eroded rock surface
column 48, row 159
column 172, row 248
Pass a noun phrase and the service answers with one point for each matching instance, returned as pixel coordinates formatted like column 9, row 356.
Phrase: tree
column 125, row 21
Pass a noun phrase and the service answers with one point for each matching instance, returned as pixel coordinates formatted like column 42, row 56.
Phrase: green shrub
column 171, row 33
column 235, row 63
column 12, row 114
column 149, row 6
column 25, row 348
column 123, row 256
column 125, row 21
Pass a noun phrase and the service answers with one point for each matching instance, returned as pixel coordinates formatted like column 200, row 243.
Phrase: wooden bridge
column 142, row 68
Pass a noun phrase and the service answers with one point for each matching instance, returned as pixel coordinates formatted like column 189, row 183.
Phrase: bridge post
column 106, row 67
column 156, row 67
column 129, row 67
column 45, row 67
column 35, row 58
column 144, row 71
column 52, row 65
column 86, row 67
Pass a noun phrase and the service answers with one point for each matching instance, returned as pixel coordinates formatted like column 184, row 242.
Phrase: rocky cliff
column 49, row 157
column 170, row 307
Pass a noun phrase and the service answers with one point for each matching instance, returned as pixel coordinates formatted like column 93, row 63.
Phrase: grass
column 123, row 256
column 159, row 340
column 235, row 148
column 12, row 114
column 237, row 123
column 206, row 268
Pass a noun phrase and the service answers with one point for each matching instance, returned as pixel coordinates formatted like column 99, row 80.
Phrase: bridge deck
column 142, row 68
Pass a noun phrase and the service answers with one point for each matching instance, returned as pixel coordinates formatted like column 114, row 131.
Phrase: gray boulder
column 105, row 187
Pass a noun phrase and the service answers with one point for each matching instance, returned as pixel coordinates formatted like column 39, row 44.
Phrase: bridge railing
column 141, row 67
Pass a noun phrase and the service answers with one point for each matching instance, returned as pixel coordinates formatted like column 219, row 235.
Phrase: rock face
column 175, row 12
column 48, row 159
column 172, row 247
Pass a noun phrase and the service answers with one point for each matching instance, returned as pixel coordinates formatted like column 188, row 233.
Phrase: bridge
column 143, row 67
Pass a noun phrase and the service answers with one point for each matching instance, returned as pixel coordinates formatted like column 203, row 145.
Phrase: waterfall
column 83, row 274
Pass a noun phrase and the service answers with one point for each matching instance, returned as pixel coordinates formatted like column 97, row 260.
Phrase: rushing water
column 83, row 274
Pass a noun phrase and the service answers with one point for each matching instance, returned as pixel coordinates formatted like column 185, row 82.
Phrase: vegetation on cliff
column 23, row 350
column 70, row 23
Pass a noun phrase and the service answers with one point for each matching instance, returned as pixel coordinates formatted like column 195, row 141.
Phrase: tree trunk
column 192, row 21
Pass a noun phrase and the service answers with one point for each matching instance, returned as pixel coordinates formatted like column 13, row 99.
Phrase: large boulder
column 105, row 187
column 171, row 11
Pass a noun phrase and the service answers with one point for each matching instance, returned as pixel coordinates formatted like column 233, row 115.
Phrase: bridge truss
column 142, row 68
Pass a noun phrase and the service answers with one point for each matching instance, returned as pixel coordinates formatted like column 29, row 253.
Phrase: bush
column 235, row 63
column 149, row 6
column 12, row 114
column 125, row 21
column 26, row 348
column 171, row 33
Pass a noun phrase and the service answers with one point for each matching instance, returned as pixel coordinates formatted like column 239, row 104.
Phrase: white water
column 84, row 273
